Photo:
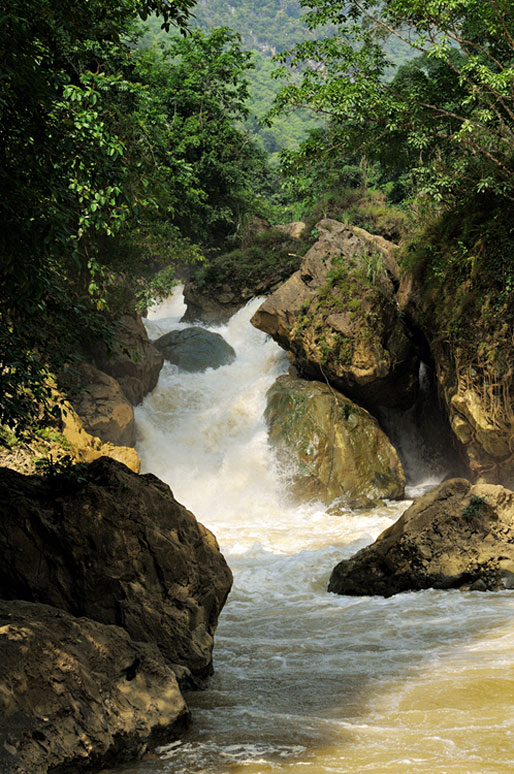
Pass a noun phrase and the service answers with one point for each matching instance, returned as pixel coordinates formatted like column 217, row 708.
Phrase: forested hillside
column 268, row 28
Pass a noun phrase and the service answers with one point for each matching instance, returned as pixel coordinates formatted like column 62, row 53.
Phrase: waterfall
column 305, row 680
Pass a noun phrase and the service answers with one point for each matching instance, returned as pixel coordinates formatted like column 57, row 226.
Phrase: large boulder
column 227, row 281
column 331, row 448
column 103, row 408
column 456, row 536
column 133, row 361
column 213, row 305
column 195, row 349
column 338, row 316
column 116, row 547
column 77, row 695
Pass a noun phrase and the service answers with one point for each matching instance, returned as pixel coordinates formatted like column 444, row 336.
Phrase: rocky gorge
column 112, row 590
column 356, row 326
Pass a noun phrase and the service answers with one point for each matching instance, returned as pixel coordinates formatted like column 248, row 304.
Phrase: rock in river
column 105, row 543
column 332, row 447
column 195, row 349
column 456, row 536
column 77, row 695
column 338, row 317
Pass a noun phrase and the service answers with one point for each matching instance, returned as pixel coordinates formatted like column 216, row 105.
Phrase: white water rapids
column 307, row 681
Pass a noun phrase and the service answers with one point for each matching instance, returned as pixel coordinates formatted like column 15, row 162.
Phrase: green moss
column 365, row 208
column 272, row 254
column 474, row 507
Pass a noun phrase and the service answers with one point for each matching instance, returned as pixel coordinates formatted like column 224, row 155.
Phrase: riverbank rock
column 77, row 695
column 457, row 536
column 134, row 361
column 103, row 408
column 332, row 448
column 195, row 349
column 338, row 317
column 472, row 350
column 105, row 543
column 224, row 283
column 213, row 305
column 81, row 446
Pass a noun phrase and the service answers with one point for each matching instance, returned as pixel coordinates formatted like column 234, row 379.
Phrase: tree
column 202, row 84
column 449, row 115
column 97, row 151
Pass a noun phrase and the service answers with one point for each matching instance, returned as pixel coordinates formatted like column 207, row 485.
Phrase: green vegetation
column 446, row 117
column 437, row 138
column 271, row 257
column 124, row 158
column 118, row 161
column 474, row 507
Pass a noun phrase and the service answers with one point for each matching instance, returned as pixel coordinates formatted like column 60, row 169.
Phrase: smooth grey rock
column 195, row 349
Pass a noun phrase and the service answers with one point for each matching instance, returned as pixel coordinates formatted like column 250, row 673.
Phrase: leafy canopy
column 109, row 157
column 448, row 116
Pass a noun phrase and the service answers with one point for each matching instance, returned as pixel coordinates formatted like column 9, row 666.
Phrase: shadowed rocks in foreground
column 116, row 547
column 76, row 694
column 457, row 536
column 111, row 592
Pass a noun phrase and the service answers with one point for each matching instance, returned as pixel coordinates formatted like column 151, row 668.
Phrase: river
column 307, row 681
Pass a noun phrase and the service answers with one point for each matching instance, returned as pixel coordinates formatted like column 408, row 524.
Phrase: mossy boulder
column 331, row 448
column 338, row 317
column 226, row 282
column 195, row 349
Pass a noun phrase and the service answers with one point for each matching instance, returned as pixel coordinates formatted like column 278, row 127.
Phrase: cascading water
column 305, row 680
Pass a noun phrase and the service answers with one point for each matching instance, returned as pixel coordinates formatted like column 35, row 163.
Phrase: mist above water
column 305, row 680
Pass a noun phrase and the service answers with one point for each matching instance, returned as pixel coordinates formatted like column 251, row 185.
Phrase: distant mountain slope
column 267, row 27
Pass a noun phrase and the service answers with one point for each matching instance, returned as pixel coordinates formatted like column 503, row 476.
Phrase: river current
column 306, row 681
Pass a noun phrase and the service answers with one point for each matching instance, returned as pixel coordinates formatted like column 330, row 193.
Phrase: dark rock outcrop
column 103, row 408
column 213, row 305
column 330, row 448
column 195, row 349
column 116, row 547
column 226, row 282
column 475, row 390
column 78, row 695
column 134, row 361
column 338, row 317
column 457, row 536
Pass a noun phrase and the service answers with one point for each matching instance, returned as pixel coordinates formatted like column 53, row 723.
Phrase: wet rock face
column 457, row 536
column 338, row 316
column 195, row 349
column 116, row 547
column 476, row 392
column 213, row 305
column 134, row 362
column 77, row 695
column 332, row 448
